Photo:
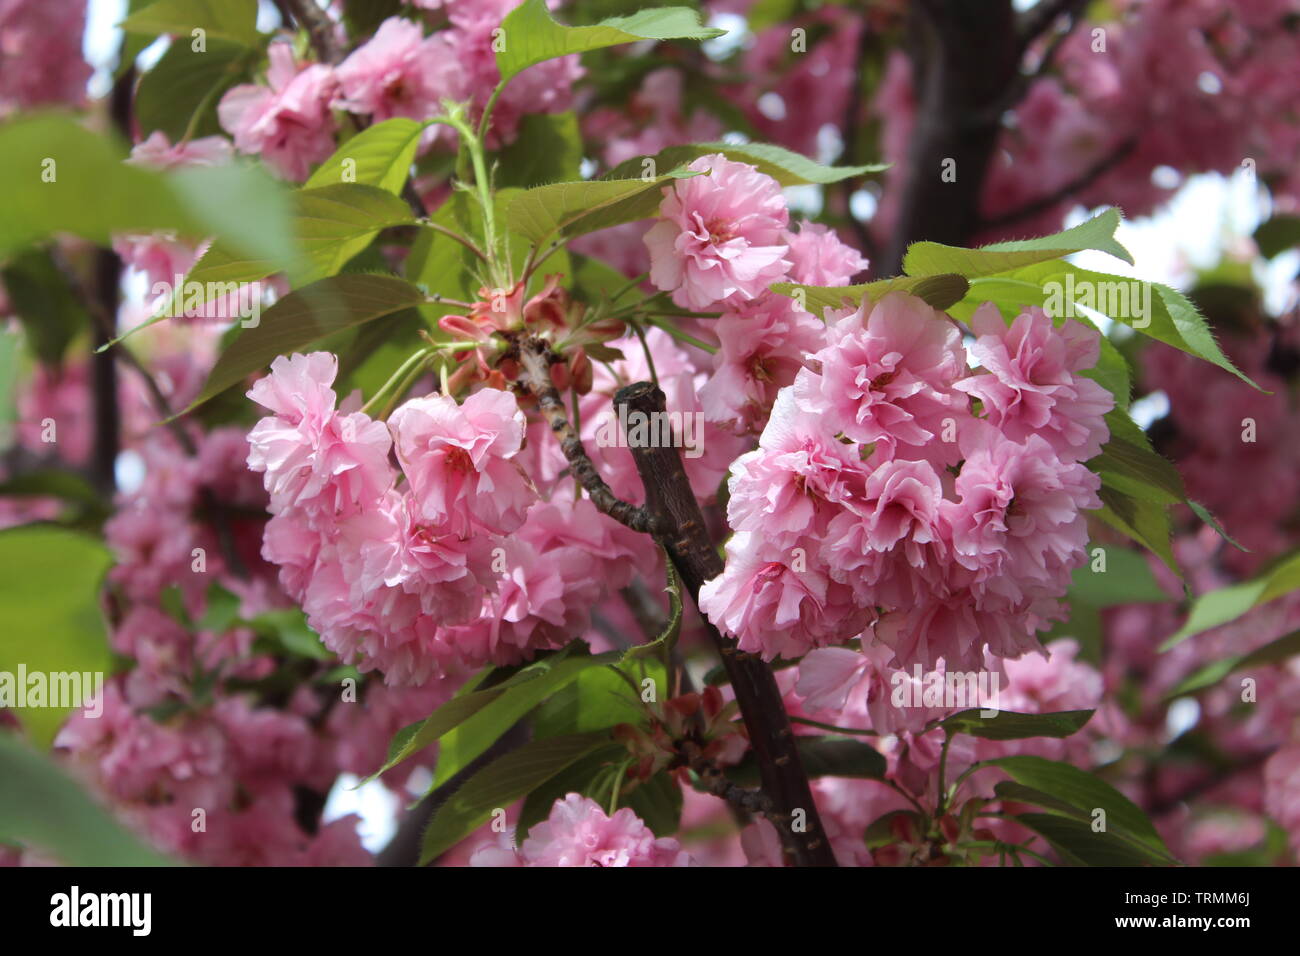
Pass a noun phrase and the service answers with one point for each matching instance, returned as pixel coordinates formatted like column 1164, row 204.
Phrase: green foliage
column 39, row 295
column 1227, row 604
column 1275, row 236
column 531, row 36
column 66, row 179
column 234, row 20
column 937, row 291
column 932, row 258
column 547, row 149
column 42, row 807
column 821, row 757
column 1071, row 798
column 1007, row 725
column 302, row 317
column 380, row 156
column 502, row 782
column 565, row 210
column 49, row 602
column 785, row 166
column 179, row 94
column 1274, row 652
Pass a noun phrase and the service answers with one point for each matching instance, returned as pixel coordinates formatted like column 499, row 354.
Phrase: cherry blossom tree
column 646, row 437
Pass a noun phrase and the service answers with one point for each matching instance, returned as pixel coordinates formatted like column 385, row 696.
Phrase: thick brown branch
column 534, row 359
column 964, row 58
column 670, row 499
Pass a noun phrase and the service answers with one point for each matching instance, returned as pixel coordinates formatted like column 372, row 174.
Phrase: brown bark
column 784, row 784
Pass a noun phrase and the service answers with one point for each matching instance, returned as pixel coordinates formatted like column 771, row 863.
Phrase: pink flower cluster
column 578, row 832
column 460, row 565
column 721, row 240
column 397, row 72
column 852, row 517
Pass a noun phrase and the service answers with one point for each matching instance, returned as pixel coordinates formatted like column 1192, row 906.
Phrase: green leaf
column 572, row 209
column 663, row 644
column 785, row 166
column 44, row 808
column 658, row 802
column 184, row 82
column 226, row 19
column 932, row 258
column 1006, row 725
column 1077, row 844
column 821, row 757
column 1204, row 514
column 334, row 223
column 499, row 784
column 598, row 698
column 95, row 195
column 1127, row 579
column 1086, row 793
column 1227, row 604
column 288, row 629
column 49, row 601
column 380, row 156
column 243, row 204
column 1273, row 652
column 937, row 291
column 1172, row 318
column 40, row 296
column 530, row 35
column 547, row 149
column 470, row 702
column 592, row 776
column 1141, row 519
column 1128, row 462
column 1276, row 235
column 471, row 737
column 304, row 316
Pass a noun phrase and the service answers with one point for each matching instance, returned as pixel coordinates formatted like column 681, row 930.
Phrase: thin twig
column 1076, row 185
column 534, row 359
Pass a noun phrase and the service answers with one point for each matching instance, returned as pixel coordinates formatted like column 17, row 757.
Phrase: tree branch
column 319, row 27
column 534, row 358
column 670, row 499
column 1077, row 185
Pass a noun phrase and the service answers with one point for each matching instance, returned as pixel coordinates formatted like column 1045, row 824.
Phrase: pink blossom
column 578, row 832
column 818, row 256
column 795, row 481
column 762, row 348
column 158, row 152
column 395, row 73
column 890, row 543
column 886, row 376
column 459, row 459
column 720, row 237
column 40, row 46
column 1019, row 523
column 779, row 602
column 288, row 122
column 1031, row 383
column 313, row 456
